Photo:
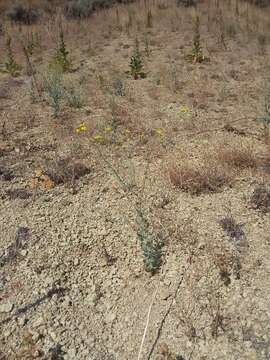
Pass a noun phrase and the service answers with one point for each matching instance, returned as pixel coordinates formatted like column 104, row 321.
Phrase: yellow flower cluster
column 81, row 128
column 185, row 110
column 98, row 138
column 159, row 132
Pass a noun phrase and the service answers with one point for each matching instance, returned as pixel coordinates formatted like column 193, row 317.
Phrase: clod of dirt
column 41, row 181
column 260, row 198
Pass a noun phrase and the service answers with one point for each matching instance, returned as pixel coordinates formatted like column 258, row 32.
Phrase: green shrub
column 61, row 58
column 136, row 63
column 10, row 66
column 53, row 86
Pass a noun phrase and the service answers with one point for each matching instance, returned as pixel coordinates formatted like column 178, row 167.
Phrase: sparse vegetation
column 241, row 156
column 20, row 13
column 61, row 58
column 199, row 178
column 136, row 63
column 131, row 214
column 11, row 65
column 260, row 198
column 54, row 88
column 197, row 53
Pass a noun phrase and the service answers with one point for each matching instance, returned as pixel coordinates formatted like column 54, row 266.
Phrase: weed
column 197, row 55
column 53, row 86
column 11, row 67
column 149, row 19
column 262, row 42
column 231, row 228
column 199, row 179
column 146, row 45
column 118, row 87
column 242, row 156
column 266, row 117
column 74, row 98
column 260, row 198
column 150, row 243
column 28, row 348
column 136, row 64
column 231, row 30
column 65, row 170
column 61, row 57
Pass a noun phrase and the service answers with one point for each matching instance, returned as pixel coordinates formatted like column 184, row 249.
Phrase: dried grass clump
column 66, row 170
column 240, row 156
column 260, row 198
column 199, row 178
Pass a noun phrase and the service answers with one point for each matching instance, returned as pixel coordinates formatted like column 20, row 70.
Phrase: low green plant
column 10, row 66
column 61, row 58
column 136, row 63
column 74, row 98
column 197, row 53
column 149, row 19
column 266, row 116
column 53, row 86
column 150, row 243
column 118, row 87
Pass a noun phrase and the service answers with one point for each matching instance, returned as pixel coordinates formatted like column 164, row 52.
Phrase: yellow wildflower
column 81, row 127
column 159, row 132
column 97, row 138
column 108, row 129
column 184, row 109
column 126, row 131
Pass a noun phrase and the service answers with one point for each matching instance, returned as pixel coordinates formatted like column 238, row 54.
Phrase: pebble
column 6, row 307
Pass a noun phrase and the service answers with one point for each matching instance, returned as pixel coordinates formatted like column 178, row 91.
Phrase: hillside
column 135, row 181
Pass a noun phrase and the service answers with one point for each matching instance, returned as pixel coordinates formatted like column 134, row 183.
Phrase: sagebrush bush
column 186, row 3
column 260, row 3
column 23, row 14
column 85, row 8
column 53, row 86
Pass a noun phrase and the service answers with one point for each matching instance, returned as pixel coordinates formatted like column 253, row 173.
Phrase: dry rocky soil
column 179, row 155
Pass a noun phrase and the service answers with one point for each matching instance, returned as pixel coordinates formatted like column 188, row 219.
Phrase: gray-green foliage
column 74, row 98
column 118, row 87
column 150, row 243
column 266, row 116
column 53, row 86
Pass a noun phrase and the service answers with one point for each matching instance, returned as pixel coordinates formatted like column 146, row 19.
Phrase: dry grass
column 199, row 178
column 240, row 156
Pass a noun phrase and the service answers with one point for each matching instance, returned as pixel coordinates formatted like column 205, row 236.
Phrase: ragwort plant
column 150, row 242
column 136, row 63
column 11, row 67
column 196, row 55
column 61, row 58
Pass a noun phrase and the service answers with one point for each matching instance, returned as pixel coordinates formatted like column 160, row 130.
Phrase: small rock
column 24, row 252
column 38, row 323
column 22, row 321
column 6, row 308
column 71, row 354
column 76, row 262
column 110, row 317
